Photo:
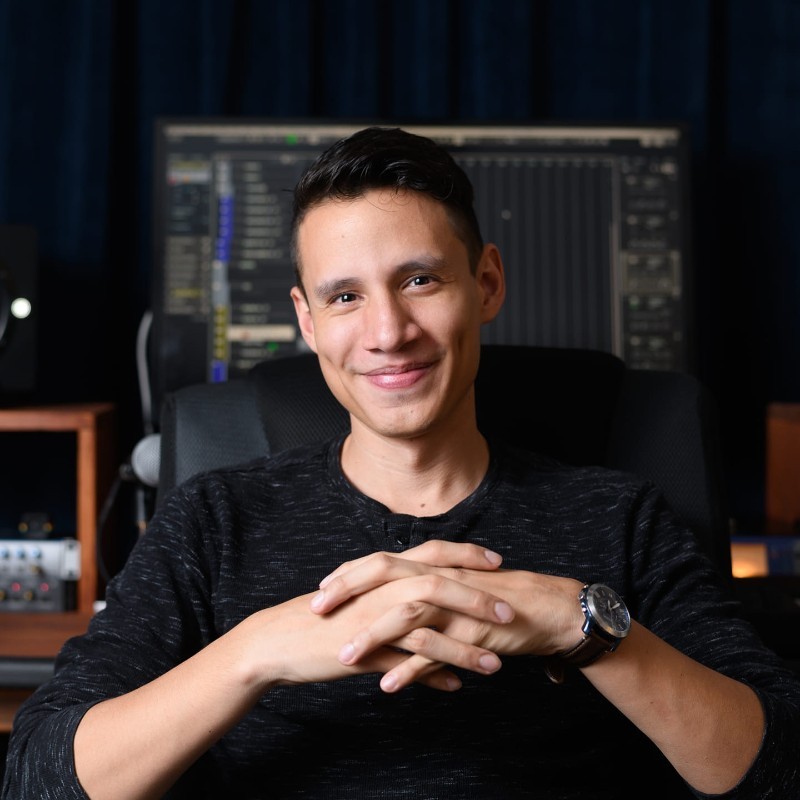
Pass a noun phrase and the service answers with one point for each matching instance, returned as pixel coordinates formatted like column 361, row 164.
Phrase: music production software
column 592, row 222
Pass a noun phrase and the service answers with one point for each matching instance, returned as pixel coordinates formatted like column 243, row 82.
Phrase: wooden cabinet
column 783, row 468
column 39, row 636
column 93, row 425
column 33, row 638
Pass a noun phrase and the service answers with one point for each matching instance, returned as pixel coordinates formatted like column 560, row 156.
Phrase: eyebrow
column 328, row 289
column 335, row 287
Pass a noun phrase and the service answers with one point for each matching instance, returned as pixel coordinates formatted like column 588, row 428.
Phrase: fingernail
column 347, row 653
column 324, row 582
column 453, row 683
column 388, row 683
column 317, row 600
column 489, row 662
column 504, row 612
column 493, row 558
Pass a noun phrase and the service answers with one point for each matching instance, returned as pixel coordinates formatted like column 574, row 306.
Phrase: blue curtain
column 82, row 81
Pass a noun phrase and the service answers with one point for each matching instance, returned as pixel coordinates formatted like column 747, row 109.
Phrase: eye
column 344, row 298
column 420, row 280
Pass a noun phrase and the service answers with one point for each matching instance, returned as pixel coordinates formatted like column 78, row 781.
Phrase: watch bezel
column 614, row 627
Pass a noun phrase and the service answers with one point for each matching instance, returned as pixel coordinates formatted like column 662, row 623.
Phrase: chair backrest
column 580, row 406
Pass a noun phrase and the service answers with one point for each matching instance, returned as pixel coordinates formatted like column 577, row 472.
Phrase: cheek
column 459, row 316
column 335, row 337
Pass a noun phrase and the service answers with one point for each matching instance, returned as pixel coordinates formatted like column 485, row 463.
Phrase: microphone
column 146, row 459
column 142, row 469
column 143, row 466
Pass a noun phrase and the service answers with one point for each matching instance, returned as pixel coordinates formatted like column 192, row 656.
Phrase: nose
column 388, row 323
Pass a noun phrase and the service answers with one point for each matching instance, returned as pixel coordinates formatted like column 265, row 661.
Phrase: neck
column 423, row 476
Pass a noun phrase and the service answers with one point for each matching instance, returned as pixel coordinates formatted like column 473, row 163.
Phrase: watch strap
column 582, row 654
column 585, row 652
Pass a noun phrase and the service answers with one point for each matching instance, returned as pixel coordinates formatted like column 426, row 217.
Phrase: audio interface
column 39, row 575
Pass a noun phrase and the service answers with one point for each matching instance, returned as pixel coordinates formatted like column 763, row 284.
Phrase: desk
column 35, row 637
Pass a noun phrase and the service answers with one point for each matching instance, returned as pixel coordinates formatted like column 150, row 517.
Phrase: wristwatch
column 607, row 623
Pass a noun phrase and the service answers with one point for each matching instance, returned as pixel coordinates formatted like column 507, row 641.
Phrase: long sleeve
column 234, row 541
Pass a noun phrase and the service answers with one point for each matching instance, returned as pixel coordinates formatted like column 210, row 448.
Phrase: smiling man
column 394, row 313
column 409, row 610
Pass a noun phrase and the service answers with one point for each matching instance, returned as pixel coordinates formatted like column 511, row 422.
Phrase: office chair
column 580, row 406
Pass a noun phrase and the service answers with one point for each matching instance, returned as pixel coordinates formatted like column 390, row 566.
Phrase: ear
column 304, row 319
column 491, row 280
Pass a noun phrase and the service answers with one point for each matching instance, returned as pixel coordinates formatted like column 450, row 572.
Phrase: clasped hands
column 441, row 605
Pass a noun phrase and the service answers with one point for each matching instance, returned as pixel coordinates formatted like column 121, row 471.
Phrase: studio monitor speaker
column 19, row 311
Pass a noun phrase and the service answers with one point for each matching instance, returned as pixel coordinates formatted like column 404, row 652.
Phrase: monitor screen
column 591, row 220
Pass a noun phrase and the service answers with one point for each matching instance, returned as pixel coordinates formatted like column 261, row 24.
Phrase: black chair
column 580, row 406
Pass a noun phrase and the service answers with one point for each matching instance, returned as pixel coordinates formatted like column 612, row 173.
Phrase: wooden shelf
column 40, row 635
column 93, row 424
column 33, row 636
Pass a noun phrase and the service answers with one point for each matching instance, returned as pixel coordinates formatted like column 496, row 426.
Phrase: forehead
column 375, row 208
column 382, row 229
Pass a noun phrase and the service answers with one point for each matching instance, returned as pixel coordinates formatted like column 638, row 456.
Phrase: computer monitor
column 592, row 221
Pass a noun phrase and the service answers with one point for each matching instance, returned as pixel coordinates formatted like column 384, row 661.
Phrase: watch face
column 608, row 610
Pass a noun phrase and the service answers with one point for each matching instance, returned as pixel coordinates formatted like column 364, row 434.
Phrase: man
column 381, row 615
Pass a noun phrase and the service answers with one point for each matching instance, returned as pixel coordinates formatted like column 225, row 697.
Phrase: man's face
column 393, row 311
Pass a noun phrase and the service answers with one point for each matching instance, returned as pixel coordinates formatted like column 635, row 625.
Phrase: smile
column 397, row 377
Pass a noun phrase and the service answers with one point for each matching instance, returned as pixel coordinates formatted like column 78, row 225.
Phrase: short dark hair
column 378, row 158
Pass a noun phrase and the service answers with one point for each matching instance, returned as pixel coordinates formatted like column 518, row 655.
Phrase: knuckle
column 480, row 601
column 411, row 610
column 431, row 547
column 419, row 639
column 433, row 584
column 385, row 561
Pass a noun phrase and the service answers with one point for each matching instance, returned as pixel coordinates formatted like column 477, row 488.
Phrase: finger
column 424, row 629
column 369, row 573
column 360, row 577
column 346, row 566
column 438, row 553
column 442, row 679
column 435, row 553
column 428, row 673
column 423, row 668
column 426, row 593
column 416, row 669
column 427, row 646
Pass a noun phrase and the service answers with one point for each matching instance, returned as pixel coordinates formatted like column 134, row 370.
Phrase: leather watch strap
column 588, row 650
column 585, row 652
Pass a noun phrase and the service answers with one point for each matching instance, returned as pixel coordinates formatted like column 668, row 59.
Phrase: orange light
column 749, row 560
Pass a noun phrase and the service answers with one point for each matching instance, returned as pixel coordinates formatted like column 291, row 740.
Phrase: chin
column 397, row 426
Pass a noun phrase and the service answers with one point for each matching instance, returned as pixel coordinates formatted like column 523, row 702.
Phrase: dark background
column 82, row 82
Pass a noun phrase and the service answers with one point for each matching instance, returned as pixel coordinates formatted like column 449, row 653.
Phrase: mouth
column 398, row 377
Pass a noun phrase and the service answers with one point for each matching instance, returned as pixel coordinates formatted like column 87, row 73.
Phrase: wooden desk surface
column 33, row 636
column 39, row 635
